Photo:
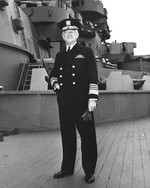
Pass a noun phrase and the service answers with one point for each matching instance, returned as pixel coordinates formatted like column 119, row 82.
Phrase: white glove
column 91, row 105
column 56, row 86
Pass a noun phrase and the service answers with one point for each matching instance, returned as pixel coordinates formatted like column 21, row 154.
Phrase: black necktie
column 68, row 49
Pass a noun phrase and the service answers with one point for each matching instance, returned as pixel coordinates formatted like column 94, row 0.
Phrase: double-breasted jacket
column 76, row 74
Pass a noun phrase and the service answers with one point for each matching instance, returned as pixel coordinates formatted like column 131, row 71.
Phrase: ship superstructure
column 30, row 30
column 29, row 41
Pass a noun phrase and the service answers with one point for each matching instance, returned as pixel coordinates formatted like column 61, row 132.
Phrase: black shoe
column 89, row 178
column 62, row 174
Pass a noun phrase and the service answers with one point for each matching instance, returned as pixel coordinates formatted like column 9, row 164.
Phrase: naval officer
column 74, row 78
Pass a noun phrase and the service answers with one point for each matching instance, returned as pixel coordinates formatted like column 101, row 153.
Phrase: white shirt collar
column 71, row 46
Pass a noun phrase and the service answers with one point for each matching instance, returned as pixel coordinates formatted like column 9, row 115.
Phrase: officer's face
column 70, row 36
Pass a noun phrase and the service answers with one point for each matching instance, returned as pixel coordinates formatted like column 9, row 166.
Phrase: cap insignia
column 68, row 23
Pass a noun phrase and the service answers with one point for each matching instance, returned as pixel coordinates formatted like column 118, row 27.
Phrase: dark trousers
column 70, row 120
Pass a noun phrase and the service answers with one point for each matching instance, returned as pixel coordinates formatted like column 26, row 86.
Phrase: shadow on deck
column 31, row 159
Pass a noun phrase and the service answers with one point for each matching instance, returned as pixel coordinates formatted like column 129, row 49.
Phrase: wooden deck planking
column 29, row 160
column 104, row 163
column 144, row 139
column 116, row 172
column 138, row 176
column 126, row 170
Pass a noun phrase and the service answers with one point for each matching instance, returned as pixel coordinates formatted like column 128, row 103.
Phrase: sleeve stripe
column 53, row 80
column 93, row 89
column 93, row 92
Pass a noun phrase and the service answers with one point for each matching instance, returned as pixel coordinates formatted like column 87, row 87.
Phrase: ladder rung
column 29, row 77
column 37, row 65
column 26, row 88
column 29, row 73
column 27, row 80
column 33, row 65
column 27, row 85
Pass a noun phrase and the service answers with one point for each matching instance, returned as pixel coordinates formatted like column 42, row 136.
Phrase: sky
column 129, row 21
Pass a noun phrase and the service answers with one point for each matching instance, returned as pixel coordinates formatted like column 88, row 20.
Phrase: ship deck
column 30, row 159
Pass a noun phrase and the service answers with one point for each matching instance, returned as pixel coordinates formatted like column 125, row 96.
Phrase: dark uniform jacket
column 76, row 73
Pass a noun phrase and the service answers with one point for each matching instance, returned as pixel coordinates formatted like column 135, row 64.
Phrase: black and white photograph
column 74, row 94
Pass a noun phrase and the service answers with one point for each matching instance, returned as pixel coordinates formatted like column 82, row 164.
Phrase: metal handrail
column 21, row 75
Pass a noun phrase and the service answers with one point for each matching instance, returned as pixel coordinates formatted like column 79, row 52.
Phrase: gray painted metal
column 28, row 110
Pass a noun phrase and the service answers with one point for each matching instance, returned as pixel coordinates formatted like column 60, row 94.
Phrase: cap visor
column 69, row 28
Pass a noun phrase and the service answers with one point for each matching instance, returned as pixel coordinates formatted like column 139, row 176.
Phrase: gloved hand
column 91, row 105
column 56, row 87
column 87, row 116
